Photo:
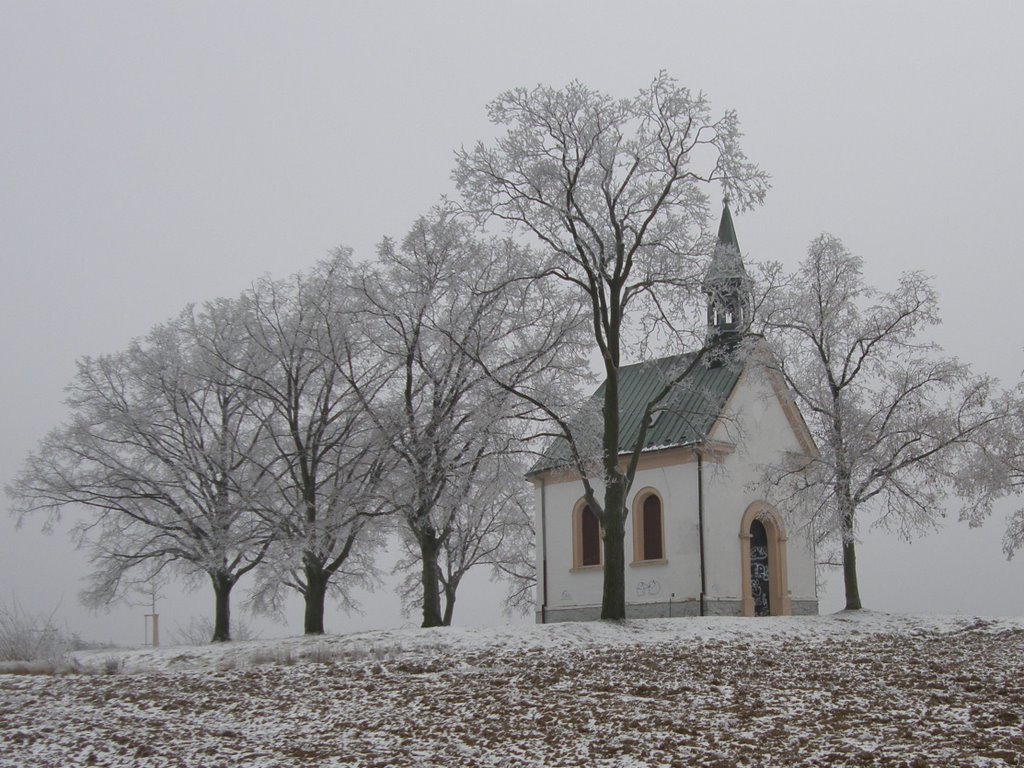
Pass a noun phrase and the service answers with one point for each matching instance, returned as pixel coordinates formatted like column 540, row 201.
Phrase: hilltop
column 848, row 689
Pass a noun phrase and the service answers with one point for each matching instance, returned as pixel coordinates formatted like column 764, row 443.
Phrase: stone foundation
column 676, row 609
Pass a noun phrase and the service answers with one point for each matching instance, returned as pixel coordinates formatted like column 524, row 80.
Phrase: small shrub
column 321, row 654
column 271, row 655
column 199, row 631
column 28, row 637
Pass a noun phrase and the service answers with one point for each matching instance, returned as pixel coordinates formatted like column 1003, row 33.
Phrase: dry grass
column 919, row 699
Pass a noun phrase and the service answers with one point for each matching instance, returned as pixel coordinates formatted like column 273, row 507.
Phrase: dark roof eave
column 694, row 444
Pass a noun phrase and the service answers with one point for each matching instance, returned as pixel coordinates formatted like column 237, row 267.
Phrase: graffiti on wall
column 648, row 588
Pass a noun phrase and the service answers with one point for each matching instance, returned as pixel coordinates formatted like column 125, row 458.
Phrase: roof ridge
column 658, row 360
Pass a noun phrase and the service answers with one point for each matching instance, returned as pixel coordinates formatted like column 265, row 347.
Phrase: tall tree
column 163, row 447
column 996, row 469
column 327, row 456
column 896, row 423
column 612, row 190
column 436, row 306
column 491, row 523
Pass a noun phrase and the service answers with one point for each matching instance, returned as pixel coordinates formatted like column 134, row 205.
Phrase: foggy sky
column 153, row 155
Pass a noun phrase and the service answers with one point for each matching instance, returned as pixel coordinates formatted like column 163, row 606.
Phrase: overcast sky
column 156, row 154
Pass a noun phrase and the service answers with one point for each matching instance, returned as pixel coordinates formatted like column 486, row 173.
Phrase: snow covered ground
column 863, row 689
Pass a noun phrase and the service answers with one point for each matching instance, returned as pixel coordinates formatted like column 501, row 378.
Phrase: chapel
column 700, row 540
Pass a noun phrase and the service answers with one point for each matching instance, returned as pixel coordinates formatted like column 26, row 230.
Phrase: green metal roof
column 684, row 417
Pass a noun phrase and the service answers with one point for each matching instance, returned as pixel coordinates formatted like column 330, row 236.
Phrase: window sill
column 644, row 563
column 583, row 568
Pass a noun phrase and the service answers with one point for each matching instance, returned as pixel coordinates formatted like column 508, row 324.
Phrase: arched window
column 586, row 537
column 648, row 528
column 653, row 545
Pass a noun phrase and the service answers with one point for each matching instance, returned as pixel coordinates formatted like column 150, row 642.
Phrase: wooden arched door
column 764, row 585
column 760, row 570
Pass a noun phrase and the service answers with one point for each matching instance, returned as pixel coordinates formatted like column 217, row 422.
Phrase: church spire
column 726, row 229
column 727, row 285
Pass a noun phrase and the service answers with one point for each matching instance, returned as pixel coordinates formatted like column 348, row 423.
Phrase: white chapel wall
column 757, row 424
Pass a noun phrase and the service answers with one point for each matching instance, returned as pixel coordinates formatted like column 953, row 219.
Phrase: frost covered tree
column 491, row 524
column 1014, row 538
column 996, row 470
column 163, row 450
column 327, row 457
column 1009, row 479
column 513, row 559
column 613, row 192
column 897, row 424
column 439, row 306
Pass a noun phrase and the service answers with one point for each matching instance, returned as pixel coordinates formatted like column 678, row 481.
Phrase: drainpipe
column 700, row 528
column 543, row 552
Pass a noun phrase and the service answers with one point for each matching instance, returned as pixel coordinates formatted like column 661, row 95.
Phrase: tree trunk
column 850, row 565
column 429, row 549
column 316, row 595
column 222, row 584
column 449, row 602
column 613, row 599
column 844, row 495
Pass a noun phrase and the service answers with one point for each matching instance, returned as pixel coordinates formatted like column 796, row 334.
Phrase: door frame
column 778, row 582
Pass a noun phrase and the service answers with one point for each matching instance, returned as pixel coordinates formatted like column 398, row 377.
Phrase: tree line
column 288, row 431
